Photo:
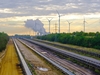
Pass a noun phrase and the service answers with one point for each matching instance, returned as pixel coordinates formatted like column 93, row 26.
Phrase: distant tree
column 76, row 38
column 3, row 40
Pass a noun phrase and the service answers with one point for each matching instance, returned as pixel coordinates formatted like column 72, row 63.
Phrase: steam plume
column 36, row 25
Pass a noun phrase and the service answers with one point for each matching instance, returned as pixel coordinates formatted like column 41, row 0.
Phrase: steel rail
column 65, row 71
column 87, row 60
column 25, row 66
column 71, row 49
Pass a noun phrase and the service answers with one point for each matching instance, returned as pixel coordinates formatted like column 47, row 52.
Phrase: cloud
column 13, row 13
column 46, row 7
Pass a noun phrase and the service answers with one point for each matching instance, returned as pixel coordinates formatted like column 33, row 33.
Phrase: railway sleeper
column 79, row 62
column 85, row 64
column 53, row 65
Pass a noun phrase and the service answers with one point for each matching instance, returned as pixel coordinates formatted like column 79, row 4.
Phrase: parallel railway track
column 64, row 64
column 95, row 54
column 87, row 60
column 65, row 71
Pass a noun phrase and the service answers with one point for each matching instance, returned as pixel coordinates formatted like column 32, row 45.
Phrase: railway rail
column 72, row 49
column 64, row 70
column 77, row 70
column 23, row 63
column 86, row 60
column 66, row 64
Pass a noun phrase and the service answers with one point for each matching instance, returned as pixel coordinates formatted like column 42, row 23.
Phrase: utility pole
column 49, row 20
column 69, row 25
column 58, row 20
column 55, row 28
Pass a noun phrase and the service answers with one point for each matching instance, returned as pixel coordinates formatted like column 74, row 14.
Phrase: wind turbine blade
column 57, row 12
column 67, row 21
column 47, row 19
column 51, row 19
column 62, row 15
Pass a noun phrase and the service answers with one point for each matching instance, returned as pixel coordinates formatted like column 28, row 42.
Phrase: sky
column 13, row 13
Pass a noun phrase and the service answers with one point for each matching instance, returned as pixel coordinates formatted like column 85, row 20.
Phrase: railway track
column 65, row 64
column 68, row 66
column 65, row 71
column 36, row 62
column 62, row 62
column 22, row 60
column 95, row 54
column 86, row 60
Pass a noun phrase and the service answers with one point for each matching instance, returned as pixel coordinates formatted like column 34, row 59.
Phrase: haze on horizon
column 13, row 13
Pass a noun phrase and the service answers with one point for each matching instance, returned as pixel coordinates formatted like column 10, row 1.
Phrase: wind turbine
column 69, row 25
column 49, row 20
column 84, row 23
column 58, row 20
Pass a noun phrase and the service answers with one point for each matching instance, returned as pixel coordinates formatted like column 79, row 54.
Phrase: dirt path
column 8, row 63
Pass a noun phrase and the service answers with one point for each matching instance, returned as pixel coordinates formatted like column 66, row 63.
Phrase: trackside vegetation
column 91, row 40
column 3, row 40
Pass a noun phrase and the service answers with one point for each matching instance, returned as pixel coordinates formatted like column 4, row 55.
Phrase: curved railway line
column 65, row 64
column 90, row 62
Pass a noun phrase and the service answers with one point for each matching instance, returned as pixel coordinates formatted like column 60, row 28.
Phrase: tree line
column 3, row 40
column 91, row 40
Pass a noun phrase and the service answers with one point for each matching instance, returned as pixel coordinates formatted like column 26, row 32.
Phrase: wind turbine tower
column 69, row 25
column 49, row 20
column 84, row 23
column 59, row 21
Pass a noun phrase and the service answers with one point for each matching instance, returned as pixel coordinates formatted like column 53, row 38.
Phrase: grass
column 31, row 68
column 97, row 71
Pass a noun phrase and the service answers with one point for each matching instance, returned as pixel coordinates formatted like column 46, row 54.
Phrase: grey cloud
column 27, row 7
